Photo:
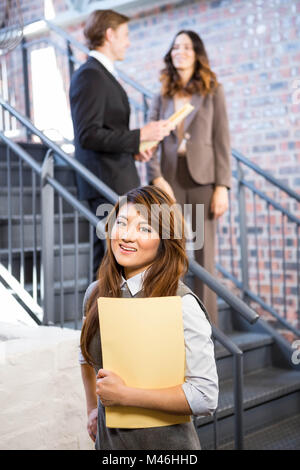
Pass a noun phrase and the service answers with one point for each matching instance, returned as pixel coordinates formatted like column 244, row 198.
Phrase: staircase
column 271, row 388
column 66, row 177
column 271, row 382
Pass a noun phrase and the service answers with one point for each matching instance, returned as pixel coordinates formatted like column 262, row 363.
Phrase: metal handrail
column 256, row 299
column 77, row 166
column 238, row 156
column 26, row 157
column 275, row 204
column 241, row 307
column 237, row 354
column 237, row 304
column 216, row 333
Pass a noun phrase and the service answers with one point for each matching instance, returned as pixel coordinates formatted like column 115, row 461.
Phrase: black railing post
column 47, row 222
column 70, row 59
column 243, row 230
column 26, row 84
column 145, row 109
column 238, row 402
column 298, row 273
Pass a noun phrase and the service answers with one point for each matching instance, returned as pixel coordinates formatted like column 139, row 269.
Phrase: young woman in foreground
column 140, row 262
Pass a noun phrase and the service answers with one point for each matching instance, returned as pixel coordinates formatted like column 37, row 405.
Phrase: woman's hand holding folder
column 113, row 391
column 110, row 388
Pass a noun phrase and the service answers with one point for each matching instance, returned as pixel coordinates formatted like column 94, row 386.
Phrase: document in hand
column 142, row 342
column 176, row 118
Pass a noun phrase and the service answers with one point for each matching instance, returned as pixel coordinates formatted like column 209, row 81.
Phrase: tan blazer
column 207, row 137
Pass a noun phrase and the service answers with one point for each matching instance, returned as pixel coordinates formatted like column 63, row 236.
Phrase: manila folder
column 176, row 118
column 142, row 342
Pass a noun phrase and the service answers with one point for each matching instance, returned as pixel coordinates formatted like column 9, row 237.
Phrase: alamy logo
column 161, row 216
column 296, row 354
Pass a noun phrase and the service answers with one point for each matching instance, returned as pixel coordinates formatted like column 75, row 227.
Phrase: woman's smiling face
column 183, row 54
column 134, row 242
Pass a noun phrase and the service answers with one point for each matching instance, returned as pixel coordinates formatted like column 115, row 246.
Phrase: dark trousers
column 187, row 191
column 98, row 245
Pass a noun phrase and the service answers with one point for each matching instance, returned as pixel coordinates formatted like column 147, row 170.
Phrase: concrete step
column 67, row 305
column 68, row 261
column 28, row 228
column 270, row 394
column 284, row 435
column 63, row 174
column 225, row 317
column 257, row 349
column 36, row 150
column 25, row 198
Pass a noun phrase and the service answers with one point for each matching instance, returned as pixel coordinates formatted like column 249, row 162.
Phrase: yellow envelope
column 142, row 341
column 176, row 118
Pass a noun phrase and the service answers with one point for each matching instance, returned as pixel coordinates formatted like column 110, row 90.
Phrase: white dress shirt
column 105, row 61
column 201, row 386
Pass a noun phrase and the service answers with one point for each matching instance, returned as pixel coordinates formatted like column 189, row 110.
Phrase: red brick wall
column 254, row 47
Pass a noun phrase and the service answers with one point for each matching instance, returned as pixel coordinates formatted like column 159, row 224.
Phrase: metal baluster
column 256, row 244
column 270, row 254
column 76, row 268
column 1, row 93
column 22, row 276
column 34, row 252
column 243, row 230
column 47, row 223
column 215, row 427
column 70, row 59
column 230, row 228
column 137, row 117
column 145, row 108
column 238, row 401
column 298, row 270
column 9, row 211
column 219, row 243
column 61, row 263
column 91, row 252
column 283, row 263
column 26, row 83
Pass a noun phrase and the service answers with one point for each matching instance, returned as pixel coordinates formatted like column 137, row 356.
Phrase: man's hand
column 156, row 130
column 144, row 156
column 219, row 201
column 161, row 183
column 110, row 388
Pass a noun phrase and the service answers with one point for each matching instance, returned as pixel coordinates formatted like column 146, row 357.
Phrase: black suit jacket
column 103, row 142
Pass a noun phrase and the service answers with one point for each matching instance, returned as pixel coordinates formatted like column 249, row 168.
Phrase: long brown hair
column 203, row 80
column 162, row 277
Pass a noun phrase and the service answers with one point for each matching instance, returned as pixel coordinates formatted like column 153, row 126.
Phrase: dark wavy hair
column 161, row 278
column 203, row 80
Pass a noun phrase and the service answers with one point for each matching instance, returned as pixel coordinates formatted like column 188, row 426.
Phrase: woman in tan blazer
column 193, row 163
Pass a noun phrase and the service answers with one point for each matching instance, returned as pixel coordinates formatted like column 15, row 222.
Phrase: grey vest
column 176, row 437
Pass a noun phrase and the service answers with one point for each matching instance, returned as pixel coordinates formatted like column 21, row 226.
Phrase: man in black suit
column 100, row 113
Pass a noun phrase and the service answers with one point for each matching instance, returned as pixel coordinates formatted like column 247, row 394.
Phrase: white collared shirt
column 201, row 386
column 134, row 283
column 105, row 61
